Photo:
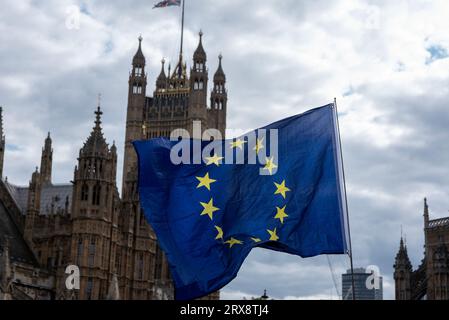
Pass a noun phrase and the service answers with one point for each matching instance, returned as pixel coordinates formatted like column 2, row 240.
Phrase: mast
column 346, row 207
column 182, row 31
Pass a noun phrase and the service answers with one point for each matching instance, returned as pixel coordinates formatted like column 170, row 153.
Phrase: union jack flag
column 167, row 3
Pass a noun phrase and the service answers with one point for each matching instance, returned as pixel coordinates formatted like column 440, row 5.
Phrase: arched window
column 91, row 252
column 195, row 85
column 140, row 267
column 84, row 192
column 118, row 262
column 94, row 167
column 89, row 166
column 96, row 195
column 137, row 88
column 106, row 196
column 201, row 85
column 199, row 66
column 158, row 263
column 79, row 253
column 138, row 71
column 89, row 288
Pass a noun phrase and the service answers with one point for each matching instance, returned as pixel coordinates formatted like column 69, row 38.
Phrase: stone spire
column 161, row 82
column 2, row 143
column 46, row 161
column 139, row 58
column 96, row 143
column 200, row 53
column 426, row 213
column 219, row 74
column 402, row 259
column 402, row 273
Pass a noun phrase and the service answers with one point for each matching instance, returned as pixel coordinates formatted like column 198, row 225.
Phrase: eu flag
column 278, row 188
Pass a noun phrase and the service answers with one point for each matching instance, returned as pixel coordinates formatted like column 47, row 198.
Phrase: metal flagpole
column 346, row 202
column 182, row 30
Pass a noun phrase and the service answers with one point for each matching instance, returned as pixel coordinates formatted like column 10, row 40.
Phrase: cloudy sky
column 385, row 61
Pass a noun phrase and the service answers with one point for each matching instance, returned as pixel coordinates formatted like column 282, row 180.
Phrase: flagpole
column 182, row 31
column 346, row 202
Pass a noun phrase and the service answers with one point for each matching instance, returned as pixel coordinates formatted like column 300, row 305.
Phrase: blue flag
column 211, row 203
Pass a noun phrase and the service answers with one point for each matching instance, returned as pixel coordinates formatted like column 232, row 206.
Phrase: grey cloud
column 280, row 57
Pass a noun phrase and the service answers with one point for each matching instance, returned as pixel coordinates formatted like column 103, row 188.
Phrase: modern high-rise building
column 364, row 288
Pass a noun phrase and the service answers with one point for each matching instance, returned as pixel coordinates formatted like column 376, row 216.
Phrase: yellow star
column 233, row 242
column 209, row 209
column 237, row 144
column 273, row 235
column 205, row 181
column 256, row 240
column 259, row 145
column 282, row 189
column 220, row 233
column 270, row 165
column 214, row 160
column 281, row 214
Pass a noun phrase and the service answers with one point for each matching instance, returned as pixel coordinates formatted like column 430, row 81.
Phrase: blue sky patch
column 437, row 52
column 12, row 147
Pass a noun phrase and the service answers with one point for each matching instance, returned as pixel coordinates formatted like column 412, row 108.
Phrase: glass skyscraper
column 366, row 287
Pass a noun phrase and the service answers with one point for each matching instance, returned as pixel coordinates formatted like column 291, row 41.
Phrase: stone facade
column 87, row 222
column 431, row 279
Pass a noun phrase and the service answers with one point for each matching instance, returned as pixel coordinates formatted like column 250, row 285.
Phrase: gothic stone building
column 431, row 279
column 45, row 227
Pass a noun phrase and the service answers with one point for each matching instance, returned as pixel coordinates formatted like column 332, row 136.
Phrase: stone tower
column 33, row 206
column 402, row 273
column 198, row 86
column 138, row 241
column 438, row 287
column 219, row 99
column 137, row 84
column 94, row 214
column 46, row 161
column 436, row 237
column 178, row 100
column 2, row 144
column 431, row 279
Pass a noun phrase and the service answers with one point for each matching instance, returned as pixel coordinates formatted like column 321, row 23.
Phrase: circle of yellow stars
column 209, row 208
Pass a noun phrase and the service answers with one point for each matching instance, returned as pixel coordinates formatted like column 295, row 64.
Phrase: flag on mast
column 168, row 3
column 208, row 215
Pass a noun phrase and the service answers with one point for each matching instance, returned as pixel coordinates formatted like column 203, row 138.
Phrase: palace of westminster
column 45, row 227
